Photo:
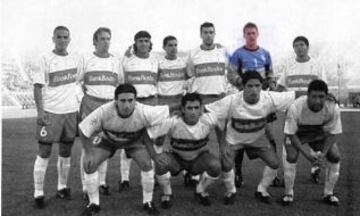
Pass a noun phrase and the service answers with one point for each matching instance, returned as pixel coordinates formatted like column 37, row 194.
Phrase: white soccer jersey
column 298, row 75
column 142, row 73
column 58, row 75
column 172, row 76
column 309, row 125
column 100, row 76
column 246, row 122
column 188, row 141
column 122, row 130
column 209, row 70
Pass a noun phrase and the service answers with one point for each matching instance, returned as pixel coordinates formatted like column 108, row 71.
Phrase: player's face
column 171, row 48
column 301, row 49
column 143, row 45
column 251, row 35
column 61, row 39
column 125, row 103
column 252, row 91
column 316, row 100
column 192, row 112
column 102, row 42
column 208, row 35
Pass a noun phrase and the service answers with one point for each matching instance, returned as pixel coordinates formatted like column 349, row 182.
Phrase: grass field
column 19, row 149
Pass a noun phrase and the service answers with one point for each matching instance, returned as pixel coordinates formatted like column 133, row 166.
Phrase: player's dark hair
column 100, row 30
column 167, row 39
column 301, row 38
column 250, row 25
column 190, row 97
column 125, row 88
column 206, row 25
column 142, row 34
column 251, row 74
column 57, row 28
column 318, row 85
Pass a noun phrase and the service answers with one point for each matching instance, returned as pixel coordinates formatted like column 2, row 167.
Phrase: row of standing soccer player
column 157, row 81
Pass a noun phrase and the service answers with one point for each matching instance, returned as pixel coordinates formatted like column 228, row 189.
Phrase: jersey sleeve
column 155, row 114
column 291, row 126
column 92, row 123
column 221, row 107
column 334, row 125
column 160, row 129
column 282, row 100
column 39, row 75
column 268, row 65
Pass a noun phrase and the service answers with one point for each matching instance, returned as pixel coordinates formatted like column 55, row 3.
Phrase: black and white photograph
column 180, row 108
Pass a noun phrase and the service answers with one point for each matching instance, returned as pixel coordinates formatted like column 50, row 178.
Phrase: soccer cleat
column 229, row 198
column 39, row 202
column 287, row 199
column 90, row 210
column 331, row 199
column 123, row 185
column 104, row 190
column 263, row 197
column 315, row 175
column 64, row 194
column 203, row 198
column 238, row 180
column 166, row 201
column 150, row 208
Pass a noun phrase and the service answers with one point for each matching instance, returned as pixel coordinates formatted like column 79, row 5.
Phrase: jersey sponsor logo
column 248, row 125
column 188, row 145
column 210, row 69
column 140, row 77
column 177, row 74
column 299, row 81
column 123, row 137
column 63, row 77
column 101, row 78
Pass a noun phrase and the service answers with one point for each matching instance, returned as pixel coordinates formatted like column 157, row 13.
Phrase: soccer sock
column 331, row 177
column 205, row 181
column 102, row 172
column 229, row 181
column 125, row 163
column 82, row 172
column 91, row 182
column 289, row 177
column 164, row 181
column 195, row 177
column 268, row 176
column 147, row 183
column 63, row 168
column 40, row 167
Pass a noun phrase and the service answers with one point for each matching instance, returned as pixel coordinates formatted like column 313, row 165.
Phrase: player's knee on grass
column 333, row 154
column 65, row 149
column 44, row 150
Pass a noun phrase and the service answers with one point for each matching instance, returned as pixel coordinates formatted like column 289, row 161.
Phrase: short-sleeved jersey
column 171, row 76
column 298, row 75
column 142, row 73
column 246, row 122
column 209, row 70
column 100, row 76
column 58, row 74
column 259, row 59
column 309, row 125
column 188, row 141
column 120, row 130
